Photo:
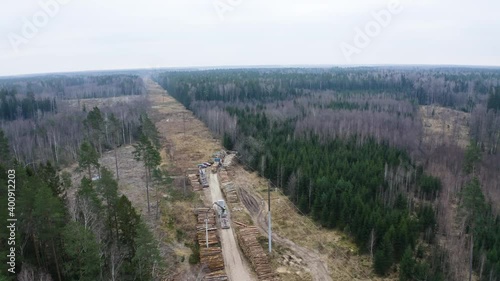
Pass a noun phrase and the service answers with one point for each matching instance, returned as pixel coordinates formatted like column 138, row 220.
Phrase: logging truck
column 222, row 214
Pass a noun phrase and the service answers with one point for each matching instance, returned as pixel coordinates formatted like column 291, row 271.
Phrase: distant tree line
column 12, row 108
column 77, row 86
column 57, row 137
column 454, row 87
column 368, row 94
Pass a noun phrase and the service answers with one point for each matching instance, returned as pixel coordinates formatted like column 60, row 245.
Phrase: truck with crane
column 222, row 214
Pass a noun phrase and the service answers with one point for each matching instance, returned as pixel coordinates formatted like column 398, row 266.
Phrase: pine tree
column 147, row 256
column 88, row 158
column 49, row 216
column 384, row 256
column 406, row 266
column 148, row 128
column 95, row 127
column 227, row 141
column 379, row 264
column 147, row 153
column 472, row 157
column 107, row 187
column 128, row 221
column 50, row 175
column 82, row 262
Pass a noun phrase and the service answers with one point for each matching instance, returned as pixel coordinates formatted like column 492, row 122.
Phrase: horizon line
column 221, row 67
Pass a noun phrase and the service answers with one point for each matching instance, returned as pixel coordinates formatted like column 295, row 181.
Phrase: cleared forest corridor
column 191, row 143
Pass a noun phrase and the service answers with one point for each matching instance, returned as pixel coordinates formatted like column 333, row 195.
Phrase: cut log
column 240, row 224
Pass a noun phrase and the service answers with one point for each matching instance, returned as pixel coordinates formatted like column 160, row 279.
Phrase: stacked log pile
column 230, row 192
column 210, row 257
column 223, row 176
column 204, row 212
column 247, row 237
column 195, row 182
column 212, row 237
column 228, row 187
column 209, row 215
column 216, row 276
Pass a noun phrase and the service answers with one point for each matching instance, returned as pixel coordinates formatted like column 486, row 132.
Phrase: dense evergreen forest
column 347, row 146
column 68, row 230
column 12, row 108
column 101, row 237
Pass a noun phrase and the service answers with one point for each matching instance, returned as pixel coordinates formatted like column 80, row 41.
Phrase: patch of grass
column 180, row 195
column 194, row 258
column 445, row 125
column 179, row 221
column 180, row 234
column 170, row 223
column 238, row 214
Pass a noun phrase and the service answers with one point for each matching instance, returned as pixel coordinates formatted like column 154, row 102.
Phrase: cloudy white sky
column 123, row 34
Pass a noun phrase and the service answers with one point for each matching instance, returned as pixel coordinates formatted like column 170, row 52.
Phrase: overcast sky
column 124, row 34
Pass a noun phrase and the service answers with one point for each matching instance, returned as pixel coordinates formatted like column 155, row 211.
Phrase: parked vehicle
column 222, row 214
column 221, row 208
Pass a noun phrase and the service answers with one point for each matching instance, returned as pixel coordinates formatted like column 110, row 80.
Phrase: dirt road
column 189, row 142
column 236, row 268
column 257, row 207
